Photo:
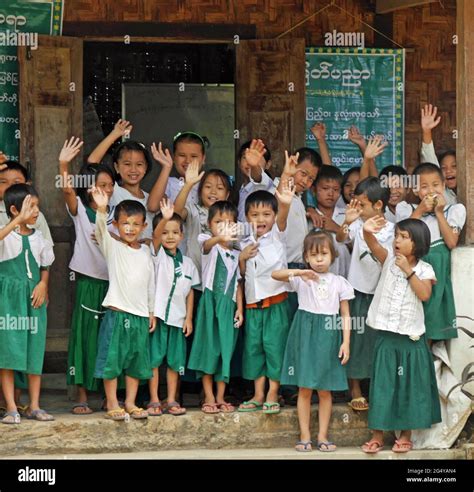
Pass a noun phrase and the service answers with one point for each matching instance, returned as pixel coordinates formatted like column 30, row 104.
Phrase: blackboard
column 159, row 111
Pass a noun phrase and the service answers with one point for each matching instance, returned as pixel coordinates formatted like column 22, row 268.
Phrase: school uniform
column 266, row 184
column 215, row 336
column 403, row 388
column 196, row 224
column 311, row 354
column 23, row 336
column 364, row 274
column 440, row 310
column 124, row 343
column 175, row 276
column 390, row 216
column 267, row 314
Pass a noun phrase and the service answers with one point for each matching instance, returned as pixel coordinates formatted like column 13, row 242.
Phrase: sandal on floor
column 11, row 418
column 119, row 414
column 324, row 446
column 363, row 405
column 402, row 446
column 154, row 409
column 39, row 415
column 271, row 407
column 138, row 413
column 369, row 449
column 81, row 409
column 174, row 408
column 305, row 446
column 22, row 409
column 209, row 408
column 225, row 407
column 256, row 406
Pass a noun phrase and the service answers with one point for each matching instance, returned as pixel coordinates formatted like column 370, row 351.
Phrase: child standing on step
column 176, row 277
column 403, row 389
column 317, row 347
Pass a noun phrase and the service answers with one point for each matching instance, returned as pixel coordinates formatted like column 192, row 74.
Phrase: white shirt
column 40, row 223
column 271, row 256
column 365, row 269
column 172, row 287
column 265, row 184
column 455, row 216
column 196, row 223
column 11, row 247
column 175, row 185
column 120, row 194
column 131, row 273
column 390, row 216
column 395, row 306
column 87, row 257
column 323, row 296
column 209, row 261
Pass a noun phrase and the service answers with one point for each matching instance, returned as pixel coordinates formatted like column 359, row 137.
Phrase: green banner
column 20, row 23
column 361, row 87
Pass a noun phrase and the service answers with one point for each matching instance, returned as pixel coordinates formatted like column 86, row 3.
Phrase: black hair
column 393, row 171
column 91, row 171
column 345, row 179
column 175, row 218
column 428, row 168
column 374, row 191
column 223, row 207
column 451, row 153
column 130, row 207
column 305, row 153
column 191, row 137
column 267, row 155
column 329, row 173
column 132, row 146
column 220, row 174
column 261, row 197
column 15, row 195
column 419, row 233
column 16, row 166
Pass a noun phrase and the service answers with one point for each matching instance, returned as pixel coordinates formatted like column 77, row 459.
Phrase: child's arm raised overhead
column 450, row 236
column 375, row 147
column 319, row 132
column 25, row 214
column 253, row 155
column 102, row 235
column 227, row 234
column 284, row 197
column 429, row 121
column 354, row 135
column 353, row 211
column 192, row 177
column 289, row 170
column 121, row 128
column 167, row 211
column 158, row 191
column 70, row 149
column 370, row 228
column 344, row 350
column 422, row 288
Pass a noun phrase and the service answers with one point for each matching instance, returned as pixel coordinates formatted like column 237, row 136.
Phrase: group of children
column 319, row 279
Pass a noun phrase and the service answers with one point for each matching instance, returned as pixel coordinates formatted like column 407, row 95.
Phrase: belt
column 268, row 301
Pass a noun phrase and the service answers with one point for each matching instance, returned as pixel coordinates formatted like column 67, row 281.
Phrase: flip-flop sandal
column 306, row 446
column 87, row 410
column 323, row 446
column 256, row 406
column 225, row 407
column 138, row 413
column 211, row 408
column 402, row 446
column 179, row 409
column 119, row 414
column 11, row 418
column 267, row 407
column 361, row 399
column 368, row 446
column 39, row 415
column 156, row 405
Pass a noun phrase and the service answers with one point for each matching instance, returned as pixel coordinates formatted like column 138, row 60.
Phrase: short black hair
column 191, row 137
column 16, row 166
column 222, row 206
column 329, row 173
column 91, row 171
column 374, row 191
column 15, row 195
column 345, row 179
column 428, row 168
column 419, row 233
column 393, row 171
column 305, row 153
column 451, row 153
column 130, row 207
column 132, row 146
column 261, row 197
column 175, row 218
column 267, row 155
column 220, row 174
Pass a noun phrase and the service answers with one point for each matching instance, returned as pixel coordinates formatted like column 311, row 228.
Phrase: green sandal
column 268, row 407
column 256, row 406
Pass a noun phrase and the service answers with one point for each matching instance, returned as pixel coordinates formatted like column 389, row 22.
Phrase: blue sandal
column 307, row 446
column 8, row 420
column 39, row 415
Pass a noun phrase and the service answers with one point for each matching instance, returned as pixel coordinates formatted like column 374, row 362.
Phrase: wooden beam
column 384, row 6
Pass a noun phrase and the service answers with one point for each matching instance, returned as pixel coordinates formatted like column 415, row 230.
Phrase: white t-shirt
column 265, row 184
column 11, row 247
column 390, row 216
column 175, row 185
column 172, row 287
column 196, row 223
column 455, row 216
column 87, row 257
column 271, row 256
column 395, row 306
column 323, row 296
column 131, row 273
column 365, row 269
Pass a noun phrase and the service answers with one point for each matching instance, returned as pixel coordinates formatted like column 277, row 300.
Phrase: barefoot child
column 317, row 351
column 220, row 310
column 267, row 310
column 124, row 342
column 176, row 277
column 403, row 389
column 25, row 258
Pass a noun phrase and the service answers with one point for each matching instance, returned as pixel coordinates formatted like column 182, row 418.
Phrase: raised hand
column 319, row 130
column 71, row 149
column 193, row 174
column 122, row 128
column 285, row 196
column 354, row 135
column 167, row 209
column 374, row 224
column 375, row 146
column 428, row 117
column 353, row 211
column 228, row 232
column 3, row 159
column 27, row 210
column 291, row 161
column 100, row 197
column 163, row 157
column 255, row 153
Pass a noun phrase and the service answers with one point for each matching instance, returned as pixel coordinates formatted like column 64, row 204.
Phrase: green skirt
column 214, row 336
column 440, row 312
column 311, row 355
column 124, row 346
column 363, row 338
column 168, row 343
column 266, row 334
column 83, row 340
column 403, row 389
